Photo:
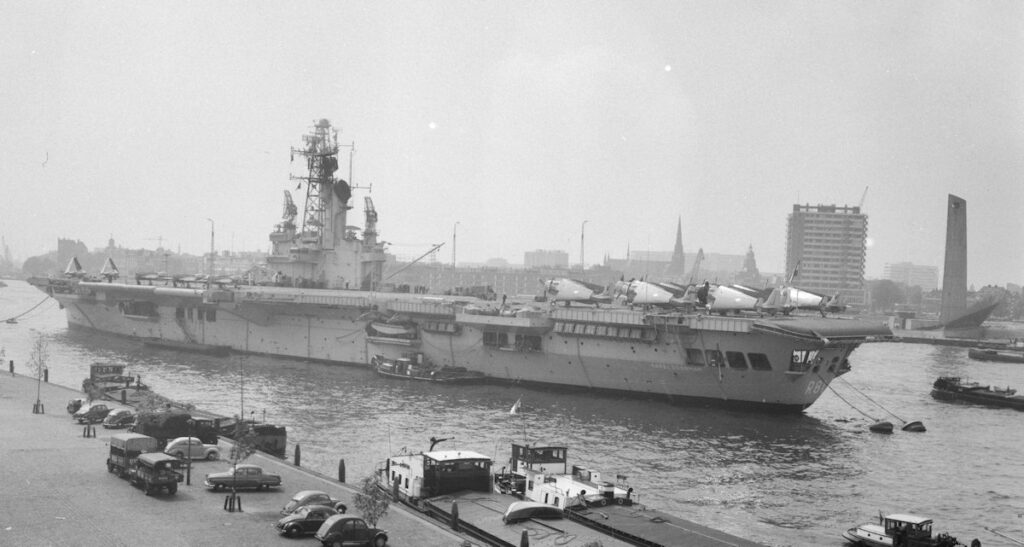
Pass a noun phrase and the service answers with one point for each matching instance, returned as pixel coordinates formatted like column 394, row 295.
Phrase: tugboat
column 952, row 388
column 901, row 530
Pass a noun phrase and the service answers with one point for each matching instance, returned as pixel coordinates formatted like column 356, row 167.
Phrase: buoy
column 881, row 427
column 914, row 427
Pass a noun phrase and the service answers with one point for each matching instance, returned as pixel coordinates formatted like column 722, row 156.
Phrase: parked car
column 350, row 531
column 75, row 404
column 305, row 520
column 154, row 471
column 191, row 448
column 244, row 476
column 312, row 497
column 92, row 414
column 118, row 418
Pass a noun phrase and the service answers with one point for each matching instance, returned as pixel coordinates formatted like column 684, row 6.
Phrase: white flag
column 515, row 407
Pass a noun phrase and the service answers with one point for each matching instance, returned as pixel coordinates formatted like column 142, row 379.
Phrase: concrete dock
column 57, row 491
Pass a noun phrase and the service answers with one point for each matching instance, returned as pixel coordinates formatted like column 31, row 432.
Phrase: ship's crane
column 421, row 257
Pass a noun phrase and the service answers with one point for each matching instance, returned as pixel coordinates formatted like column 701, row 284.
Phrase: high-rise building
column 913, row 275
column 826, row 246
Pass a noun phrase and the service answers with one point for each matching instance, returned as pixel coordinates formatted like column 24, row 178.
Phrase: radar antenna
column 290, row 210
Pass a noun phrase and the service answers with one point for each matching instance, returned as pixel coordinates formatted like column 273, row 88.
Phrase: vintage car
column 305, row 520
column 312, row 497
column 191, row 448
column 91, row 414
column 154, row 471
column 350, row 531
column 243, row 475
column 118, row 418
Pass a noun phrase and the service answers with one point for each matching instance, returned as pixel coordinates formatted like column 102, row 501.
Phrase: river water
column 779, row 480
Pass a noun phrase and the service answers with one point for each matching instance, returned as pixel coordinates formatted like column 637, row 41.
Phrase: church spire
column 678, row 265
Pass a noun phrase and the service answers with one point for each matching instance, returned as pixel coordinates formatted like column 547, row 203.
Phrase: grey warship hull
column 780, row 363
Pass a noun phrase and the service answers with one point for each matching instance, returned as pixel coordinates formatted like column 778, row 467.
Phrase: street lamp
column 209, row 278
column 582, row 266
column 454, row 227
column 188, row 468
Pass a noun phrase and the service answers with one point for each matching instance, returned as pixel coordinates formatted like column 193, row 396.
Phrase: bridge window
column 714, row 358
column 736, row 360
column 759, row 361
column 694, row 357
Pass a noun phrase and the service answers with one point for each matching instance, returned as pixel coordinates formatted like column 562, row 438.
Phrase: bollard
column 341, row 470
column 455, row 516
column 124, row 397
column 46, row 375
column 524, row 541
column 298, row 455
column 12, row 367
column 233, row 503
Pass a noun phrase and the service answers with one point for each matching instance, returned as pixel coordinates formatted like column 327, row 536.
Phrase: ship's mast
column 321, row 153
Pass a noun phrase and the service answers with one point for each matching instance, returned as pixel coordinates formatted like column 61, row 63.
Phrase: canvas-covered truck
column 125, row 448
column 155, row 470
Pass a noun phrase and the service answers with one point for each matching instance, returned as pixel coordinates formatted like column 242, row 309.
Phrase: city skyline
column 519, row 124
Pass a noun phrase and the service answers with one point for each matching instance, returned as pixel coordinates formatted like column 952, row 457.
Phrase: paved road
column 55, row 490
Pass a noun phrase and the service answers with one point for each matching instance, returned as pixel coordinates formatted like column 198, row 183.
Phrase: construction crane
column 862, row 198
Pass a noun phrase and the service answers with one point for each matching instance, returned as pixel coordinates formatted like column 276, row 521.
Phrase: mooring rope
column 848, row 402
column 45, row 298
column 865, row 395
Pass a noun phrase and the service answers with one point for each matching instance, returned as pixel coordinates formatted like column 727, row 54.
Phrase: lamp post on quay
column 188, row 468
column 582, row 263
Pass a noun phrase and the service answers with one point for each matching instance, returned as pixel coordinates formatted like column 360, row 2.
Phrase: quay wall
column 57, row 490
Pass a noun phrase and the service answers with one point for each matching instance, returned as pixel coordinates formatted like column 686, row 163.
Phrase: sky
column 519, row 121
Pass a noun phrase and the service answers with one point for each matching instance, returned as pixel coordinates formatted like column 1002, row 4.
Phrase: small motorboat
column 526, row 510
column 1003, row 356
column 417, row 368
column 952, row 388
column 900, row 529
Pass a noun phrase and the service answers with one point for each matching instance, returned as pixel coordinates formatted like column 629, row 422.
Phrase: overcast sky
column 520, row 120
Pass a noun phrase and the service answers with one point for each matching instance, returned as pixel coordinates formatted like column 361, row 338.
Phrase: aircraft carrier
column 319, row 298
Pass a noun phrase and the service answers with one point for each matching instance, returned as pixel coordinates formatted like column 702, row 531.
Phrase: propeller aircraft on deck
column 563, row 289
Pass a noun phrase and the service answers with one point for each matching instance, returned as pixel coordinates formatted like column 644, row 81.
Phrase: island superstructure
column 323, row 303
